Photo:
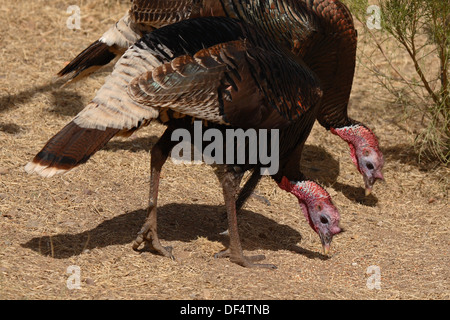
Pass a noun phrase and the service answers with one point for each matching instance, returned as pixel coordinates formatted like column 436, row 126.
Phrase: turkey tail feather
column 70, row 147
column 88, row 61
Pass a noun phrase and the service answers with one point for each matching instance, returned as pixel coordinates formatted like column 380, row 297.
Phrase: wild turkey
column 231, row 77
column 321, row 32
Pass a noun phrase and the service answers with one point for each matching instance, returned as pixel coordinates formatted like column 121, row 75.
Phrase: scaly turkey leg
column 148, row 232
column 230, row 185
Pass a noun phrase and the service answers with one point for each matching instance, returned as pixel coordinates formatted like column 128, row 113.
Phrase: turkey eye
column 324, row 220
column 370, row 166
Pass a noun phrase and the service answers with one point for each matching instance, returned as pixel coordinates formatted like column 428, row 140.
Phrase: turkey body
column 233, row 77
column 319, row 32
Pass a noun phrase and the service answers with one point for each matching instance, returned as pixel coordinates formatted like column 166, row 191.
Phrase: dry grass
column 90, row 216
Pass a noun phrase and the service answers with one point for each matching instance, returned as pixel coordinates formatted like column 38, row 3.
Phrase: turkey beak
column 326, row 249
column 368, row 183
column 326, row 241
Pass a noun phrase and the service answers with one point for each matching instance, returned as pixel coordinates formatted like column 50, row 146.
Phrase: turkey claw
column 154, row 244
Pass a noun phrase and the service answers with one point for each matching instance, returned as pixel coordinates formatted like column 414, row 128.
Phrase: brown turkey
column 321, row 32
column 230, row 77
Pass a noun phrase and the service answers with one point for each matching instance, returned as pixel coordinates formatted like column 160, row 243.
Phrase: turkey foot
column 245, row 261
column 148, row 234
column 154, row 246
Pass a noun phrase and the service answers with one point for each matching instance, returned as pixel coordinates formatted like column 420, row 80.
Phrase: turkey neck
column 331, row 54
column 321, row 33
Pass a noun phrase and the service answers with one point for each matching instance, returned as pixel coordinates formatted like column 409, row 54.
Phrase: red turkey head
column 365, row 152
column 316, row 204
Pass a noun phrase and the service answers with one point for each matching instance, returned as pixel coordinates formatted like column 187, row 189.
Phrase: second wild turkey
column 231, row 77
column 321, row 32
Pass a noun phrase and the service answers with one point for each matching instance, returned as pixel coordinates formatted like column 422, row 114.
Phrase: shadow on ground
column 10, row 101
column 407, row 154
column 64, row 101
column 10, row 128
column 176, row 222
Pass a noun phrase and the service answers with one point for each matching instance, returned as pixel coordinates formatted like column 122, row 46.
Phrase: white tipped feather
column 43, row 171
column 30, row 167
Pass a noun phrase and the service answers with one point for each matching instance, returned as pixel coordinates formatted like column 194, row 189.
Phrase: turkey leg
column 148, row 232
column 230, row 186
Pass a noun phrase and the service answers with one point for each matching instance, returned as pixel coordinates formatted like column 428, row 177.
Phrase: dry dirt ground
column 89, row 217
